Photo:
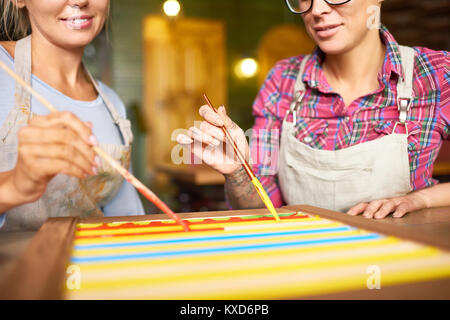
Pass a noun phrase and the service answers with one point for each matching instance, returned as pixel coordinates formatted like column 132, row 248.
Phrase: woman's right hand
column 209, row 143
column 50, row 145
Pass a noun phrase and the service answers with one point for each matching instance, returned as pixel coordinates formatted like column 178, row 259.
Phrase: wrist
column 419, row 200
column 8, row 198
column 236, row 175
column 14, row 193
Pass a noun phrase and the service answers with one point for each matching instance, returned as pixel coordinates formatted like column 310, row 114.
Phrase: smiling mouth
column 326, row 27
column 78, row 22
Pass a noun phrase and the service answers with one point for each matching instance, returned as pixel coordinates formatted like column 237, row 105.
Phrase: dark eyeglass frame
column 312, row 1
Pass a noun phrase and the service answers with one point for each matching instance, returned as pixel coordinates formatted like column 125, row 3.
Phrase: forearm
column 435, row 196
column 240, row 191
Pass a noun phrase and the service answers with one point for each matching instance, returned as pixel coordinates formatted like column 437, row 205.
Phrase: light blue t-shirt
column 127, row 201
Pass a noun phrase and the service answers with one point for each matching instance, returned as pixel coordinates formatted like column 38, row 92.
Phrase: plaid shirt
column 323, row 122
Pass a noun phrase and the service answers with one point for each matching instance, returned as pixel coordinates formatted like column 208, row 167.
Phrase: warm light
column 171, row 8
column 246, row 68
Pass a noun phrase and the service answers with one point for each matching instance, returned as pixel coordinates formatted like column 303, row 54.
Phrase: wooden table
column 38, row 260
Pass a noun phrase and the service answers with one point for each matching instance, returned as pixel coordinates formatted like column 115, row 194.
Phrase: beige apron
column 338, row 180
column 65, row 195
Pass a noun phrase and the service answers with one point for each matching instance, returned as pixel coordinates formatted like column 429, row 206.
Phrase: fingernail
column 396, row 215
column 97, row 161
column 94, row 170
column 93, row 140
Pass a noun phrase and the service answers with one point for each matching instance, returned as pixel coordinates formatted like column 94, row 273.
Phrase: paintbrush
column 113, row 163
column 256, row 183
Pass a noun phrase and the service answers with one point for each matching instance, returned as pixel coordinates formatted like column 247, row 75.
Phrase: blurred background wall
column 263, row 30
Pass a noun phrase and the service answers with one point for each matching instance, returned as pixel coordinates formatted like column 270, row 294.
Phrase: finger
column 184, row 139
column 210, row 115
column 401, row 210
column 386, row 208
column 205, row 155
column 213, row 131
column 38, row 135
column 372, row 208
column 57, row 166
column 198, row 135
column 65, row 119
column 357, row 209
column 60, row 152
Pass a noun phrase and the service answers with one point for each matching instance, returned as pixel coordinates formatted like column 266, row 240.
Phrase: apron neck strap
column 22, row 66
column 299, row 91
column 123, row 124
column 299, row 84
column 405, row 84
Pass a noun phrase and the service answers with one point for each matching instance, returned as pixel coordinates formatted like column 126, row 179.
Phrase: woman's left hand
column 398, row 206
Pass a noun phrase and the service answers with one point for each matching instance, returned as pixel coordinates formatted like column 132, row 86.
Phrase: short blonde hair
column 14, row 21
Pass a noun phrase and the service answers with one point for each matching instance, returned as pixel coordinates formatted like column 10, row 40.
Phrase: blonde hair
column 14, row 21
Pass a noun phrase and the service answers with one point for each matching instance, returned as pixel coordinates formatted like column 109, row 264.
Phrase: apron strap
column 299, row 84
column 405, row 84
column 123, row 124
column 22, row 66
column 299, row 90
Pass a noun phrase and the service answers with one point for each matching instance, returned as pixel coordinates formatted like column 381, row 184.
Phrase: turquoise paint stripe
column 210, row 238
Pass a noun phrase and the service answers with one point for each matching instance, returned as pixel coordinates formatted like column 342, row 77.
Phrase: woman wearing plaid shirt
column 354, row 127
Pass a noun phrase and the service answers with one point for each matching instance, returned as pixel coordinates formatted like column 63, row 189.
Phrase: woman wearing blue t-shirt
column 47, row 166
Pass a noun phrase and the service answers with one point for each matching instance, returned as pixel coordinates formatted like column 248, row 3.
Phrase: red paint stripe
column 140, row 234
column 155, row 224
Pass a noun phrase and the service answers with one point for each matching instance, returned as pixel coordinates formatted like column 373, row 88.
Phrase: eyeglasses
column 302, row 6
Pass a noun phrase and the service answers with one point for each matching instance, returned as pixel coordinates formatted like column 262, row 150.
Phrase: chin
column 75, row 40
column 331, row 47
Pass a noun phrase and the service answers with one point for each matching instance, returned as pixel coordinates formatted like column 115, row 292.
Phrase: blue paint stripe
column 163, row 254
column 210, row 238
